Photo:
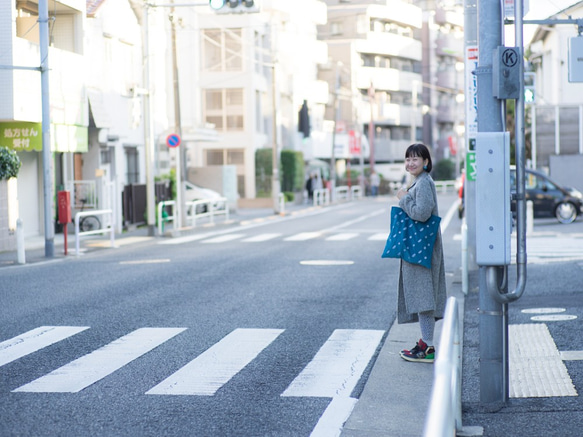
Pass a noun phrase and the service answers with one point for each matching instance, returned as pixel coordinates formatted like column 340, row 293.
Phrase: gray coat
column 421, row 289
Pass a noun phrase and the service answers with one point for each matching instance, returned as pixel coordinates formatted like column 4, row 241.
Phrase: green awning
column 27, row 136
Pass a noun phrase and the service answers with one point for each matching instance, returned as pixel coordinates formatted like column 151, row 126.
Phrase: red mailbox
column 64, row 207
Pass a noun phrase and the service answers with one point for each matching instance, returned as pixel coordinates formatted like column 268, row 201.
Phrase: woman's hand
column 401, row 193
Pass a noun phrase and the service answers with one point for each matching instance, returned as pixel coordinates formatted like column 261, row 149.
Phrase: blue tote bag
column 410, row 239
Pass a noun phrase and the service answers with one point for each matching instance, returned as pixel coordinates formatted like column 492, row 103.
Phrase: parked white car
column 194, row 192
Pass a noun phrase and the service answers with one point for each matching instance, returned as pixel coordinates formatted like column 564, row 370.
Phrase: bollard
column 21, row 256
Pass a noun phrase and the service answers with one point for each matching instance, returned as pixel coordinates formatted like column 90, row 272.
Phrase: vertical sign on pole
column 471, row 111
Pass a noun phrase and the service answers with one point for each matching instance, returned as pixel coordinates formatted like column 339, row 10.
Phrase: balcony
column 449, row 45
column 386, row 79
column 390, row 44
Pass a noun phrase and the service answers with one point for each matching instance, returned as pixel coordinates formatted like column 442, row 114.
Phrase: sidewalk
column 35, row 246
column 395, row 399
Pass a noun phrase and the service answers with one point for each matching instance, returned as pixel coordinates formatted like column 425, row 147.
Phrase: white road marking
column 261, row 237
column 224, row 238
column 334, row 417
column 338, row 365
column 35, row 339
column 303, row 236
column 535, row 365
column 326, row 262
column 379, row 237
column 217, row 365
column 81, row 373
column 342, row 237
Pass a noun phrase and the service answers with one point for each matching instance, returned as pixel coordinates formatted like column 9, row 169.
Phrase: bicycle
column 88, row 223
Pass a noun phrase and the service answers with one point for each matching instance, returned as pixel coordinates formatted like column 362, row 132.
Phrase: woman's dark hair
column 422, row 151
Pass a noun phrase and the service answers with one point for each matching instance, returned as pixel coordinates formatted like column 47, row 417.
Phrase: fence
column 108, row 213
column 194, row 210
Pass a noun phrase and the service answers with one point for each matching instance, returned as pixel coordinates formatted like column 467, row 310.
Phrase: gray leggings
column 427, row 325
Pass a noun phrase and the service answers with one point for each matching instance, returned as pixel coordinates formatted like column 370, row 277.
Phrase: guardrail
column 321, row 196
column 210, row 211
column 168, row 218
column 444, row 186
column 341, row 193
column 102, row 230
column 355, row 192
column 445, row 405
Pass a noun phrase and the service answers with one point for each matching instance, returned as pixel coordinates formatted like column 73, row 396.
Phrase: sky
column 541, row 9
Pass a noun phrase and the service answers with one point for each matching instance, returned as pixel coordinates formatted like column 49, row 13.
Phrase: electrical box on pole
column 494, row 218
column 576, row 59
column 506, row 71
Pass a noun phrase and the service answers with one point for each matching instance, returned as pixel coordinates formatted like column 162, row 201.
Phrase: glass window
column 222, row 50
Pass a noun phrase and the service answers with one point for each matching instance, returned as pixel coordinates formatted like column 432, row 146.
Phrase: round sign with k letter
column 173, row 140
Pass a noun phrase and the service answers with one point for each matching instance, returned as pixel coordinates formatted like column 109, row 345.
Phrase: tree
column 9, row 163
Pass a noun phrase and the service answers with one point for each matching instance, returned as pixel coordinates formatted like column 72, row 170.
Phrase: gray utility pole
column 43, row 20
column 500, row 75
column 490, row 119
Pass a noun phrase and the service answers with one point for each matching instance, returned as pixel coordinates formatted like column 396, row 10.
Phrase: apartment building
column 20, row 97
column 401, row 65
column 248, row 77
column 377, row 51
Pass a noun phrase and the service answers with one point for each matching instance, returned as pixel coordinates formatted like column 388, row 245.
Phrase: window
column 132, row 173
column 222, row 50
column 224, row 109
column 336, row 28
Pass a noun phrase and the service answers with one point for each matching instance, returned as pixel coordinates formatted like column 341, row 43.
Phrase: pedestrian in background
column 422, row 294
column 375, row 181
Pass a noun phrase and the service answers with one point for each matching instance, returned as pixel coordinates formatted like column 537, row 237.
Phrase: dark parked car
column 549, row 199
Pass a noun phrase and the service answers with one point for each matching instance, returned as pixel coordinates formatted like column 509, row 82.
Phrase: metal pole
column 43, row 20
column 371, row 129
column 275, row 187
column 336, row 109
column 181, row 149
column 148, row 128
column 490, row 119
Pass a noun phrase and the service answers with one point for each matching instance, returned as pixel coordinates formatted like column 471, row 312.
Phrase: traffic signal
column 231, row 6
column 529, row 88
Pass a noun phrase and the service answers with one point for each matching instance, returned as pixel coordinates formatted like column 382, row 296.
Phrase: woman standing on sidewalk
column 422, row 293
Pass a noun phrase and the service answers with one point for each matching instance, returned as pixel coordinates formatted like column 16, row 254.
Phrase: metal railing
column 210, row 211
column 445, row 186
column 102, row 230
column 355, row 192
column 160, row 214
column 444, row 416
column 321, row 196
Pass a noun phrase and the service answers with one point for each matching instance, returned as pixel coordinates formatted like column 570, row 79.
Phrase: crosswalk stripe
column 224, row 238
column 217, row 365
column 342, row 237
column 34, row 340
column 81, row 373
column 338, row 365
column 334, row 417
column 302, row 236
column 379, row 237
column 260, row 238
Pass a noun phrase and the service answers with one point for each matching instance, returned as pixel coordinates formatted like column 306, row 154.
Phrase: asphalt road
column 247, row 331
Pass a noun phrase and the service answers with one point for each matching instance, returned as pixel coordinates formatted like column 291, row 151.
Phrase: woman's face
column 414, row 165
